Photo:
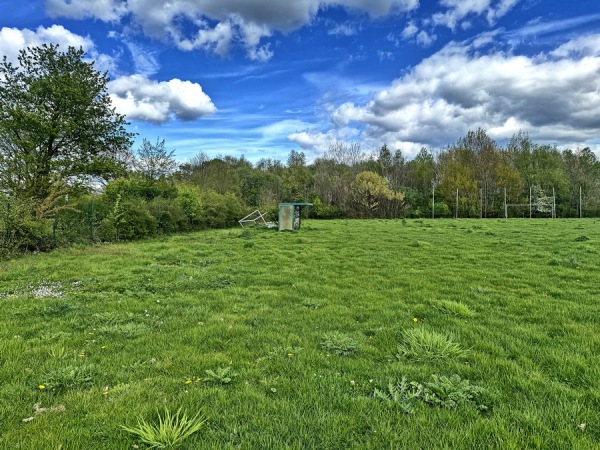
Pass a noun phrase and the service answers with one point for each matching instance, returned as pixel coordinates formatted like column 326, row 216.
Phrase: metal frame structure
column 257, row 218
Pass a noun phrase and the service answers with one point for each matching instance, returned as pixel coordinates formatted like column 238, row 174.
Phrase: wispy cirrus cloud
column 539, row 27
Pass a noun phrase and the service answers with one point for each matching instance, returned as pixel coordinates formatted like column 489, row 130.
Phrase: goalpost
column 531, row 204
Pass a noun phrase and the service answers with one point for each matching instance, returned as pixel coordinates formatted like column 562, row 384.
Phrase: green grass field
column 374, row 334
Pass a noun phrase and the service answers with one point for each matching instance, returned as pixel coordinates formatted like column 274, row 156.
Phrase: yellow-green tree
column 371, row 194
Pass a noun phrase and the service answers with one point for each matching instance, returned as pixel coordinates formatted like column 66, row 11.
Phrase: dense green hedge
column 128, row 209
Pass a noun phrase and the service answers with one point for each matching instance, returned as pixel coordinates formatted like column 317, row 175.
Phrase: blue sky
column 263, row 77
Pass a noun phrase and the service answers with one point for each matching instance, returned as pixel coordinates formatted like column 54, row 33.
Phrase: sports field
column 380, row 334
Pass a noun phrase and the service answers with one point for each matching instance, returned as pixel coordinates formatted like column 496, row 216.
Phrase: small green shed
column 289, row 215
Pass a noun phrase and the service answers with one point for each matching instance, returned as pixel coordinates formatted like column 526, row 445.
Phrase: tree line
column 68, row 172
column 474, row 177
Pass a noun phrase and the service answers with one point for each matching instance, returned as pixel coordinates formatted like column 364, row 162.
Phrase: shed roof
column 295, row 204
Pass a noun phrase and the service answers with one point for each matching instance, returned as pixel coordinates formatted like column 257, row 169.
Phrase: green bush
column 220, row 210
column 442, row 209
column 320, row 210
column 20, row 230
column 169, row 215
column 140, row 187
column 190, row 200
column 128, row 219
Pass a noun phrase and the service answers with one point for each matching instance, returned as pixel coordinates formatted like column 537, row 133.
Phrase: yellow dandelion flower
column 415, row 320
column 290, row 355
column 187, row 382
column 41, row 386
column 104, row 346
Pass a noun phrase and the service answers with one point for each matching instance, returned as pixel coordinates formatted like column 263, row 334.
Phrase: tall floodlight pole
column 456, row 204
column 530, row 202
column 580, row 203
column 553, row 203
column 433, row 200
column 481, row 203
column 505, row 205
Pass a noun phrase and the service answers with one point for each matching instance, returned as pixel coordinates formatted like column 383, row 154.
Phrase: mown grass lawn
column 494, row 326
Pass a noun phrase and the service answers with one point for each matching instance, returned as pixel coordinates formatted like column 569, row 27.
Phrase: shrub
column 220, row 210
column 189, row 199
column 169, row 215
column 321, row 210
column 128, row 219
column 442, row 209
column 20, row 230
column 140, row 187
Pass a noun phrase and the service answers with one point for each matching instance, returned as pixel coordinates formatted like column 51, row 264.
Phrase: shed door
column 286, row 217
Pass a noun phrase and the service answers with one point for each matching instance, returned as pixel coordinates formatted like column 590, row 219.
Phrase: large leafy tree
column 57, row 125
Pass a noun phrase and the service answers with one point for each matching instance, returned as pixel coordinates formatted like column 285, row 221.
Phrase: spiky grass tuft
column 171, row 430
column 421, row 344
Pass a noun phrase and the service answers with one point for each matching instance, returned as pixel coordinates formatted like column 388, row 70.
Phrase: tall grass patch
column 421, row 344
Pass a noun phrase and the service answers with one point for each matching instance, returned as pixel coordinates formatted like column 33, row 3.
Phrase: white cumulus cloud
column 553, row 96
column 12, row 40
column 139, row 98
